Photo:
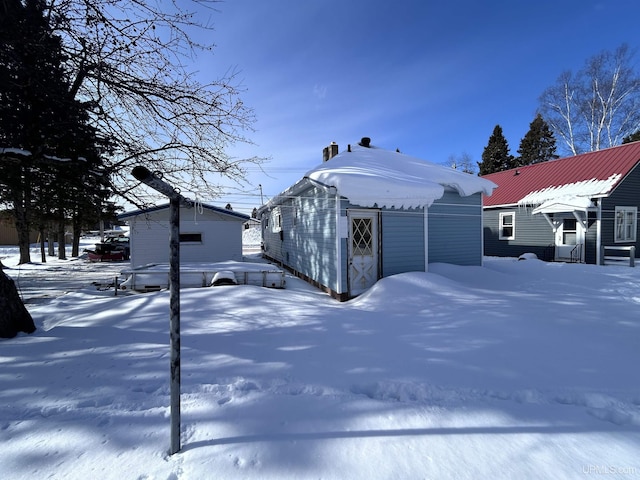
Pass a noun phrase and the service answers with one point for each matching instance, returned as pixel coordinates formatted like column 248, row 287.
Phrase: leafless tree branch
column 129, row 61
column 598, row 106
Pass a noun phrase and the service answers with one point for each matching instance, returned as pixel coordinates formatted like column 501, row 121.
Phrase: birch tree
column 598, row 106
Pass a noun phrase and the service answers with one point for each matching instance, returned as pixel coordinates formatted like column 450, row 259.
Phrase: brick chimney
column 329, row 152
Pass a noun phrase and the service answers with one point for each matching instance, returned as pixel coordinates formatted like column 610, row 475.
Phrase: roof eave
column 157, row 208
column 294, row 190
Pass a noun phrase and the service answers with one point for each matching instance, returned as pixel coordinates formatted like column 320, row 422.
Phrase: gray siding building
column 576, row 209
column 207, row 234
column 368, row 213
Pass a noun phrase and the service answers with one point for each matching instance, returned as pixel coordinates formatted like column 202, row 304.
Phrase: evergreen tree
column 538, row 145
column 634, row 137
column 46, row 144
column 496, row 156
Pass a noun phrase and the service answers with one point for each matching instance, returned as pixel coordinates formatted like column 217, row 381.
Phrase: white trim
column 566, row 204
column 481, row 235
column 339, row 285
column 500, row 226
column 581, row 220
column 554, row 225
column 562, row 249
column 356, row 270
column 276, row 219
column 599, row 233
column 504, row 205
column 426, row 239
column 624, row 209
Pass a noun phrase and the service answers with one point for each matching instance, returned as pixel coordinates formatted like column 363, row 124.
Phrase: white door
column 570, row 241
column 363, row 250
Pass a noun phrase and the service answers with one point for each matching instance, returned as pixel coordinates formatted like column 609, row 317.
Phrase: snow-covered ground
column 518, row 369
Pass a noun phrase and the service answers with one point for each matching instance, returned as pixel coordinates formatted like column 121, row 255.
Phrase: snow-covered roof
column 591, row 174
column 565, row 204
column 166, row 206
column 370, row 176
column 586, row 189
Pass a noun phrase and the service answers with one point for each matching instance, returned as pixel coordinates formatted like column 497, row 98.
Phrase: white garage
column 207, row 234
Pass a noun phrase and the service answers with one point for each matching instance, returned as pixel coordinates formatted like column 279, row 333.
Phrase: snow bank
column 517, row 369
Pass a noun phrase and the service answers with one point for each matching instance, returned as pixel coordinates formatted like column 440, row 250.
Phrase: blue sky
column 430, row 78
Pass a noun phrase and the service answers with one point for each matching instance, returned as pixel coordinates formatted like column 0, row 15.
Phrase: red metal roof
column 517, row 183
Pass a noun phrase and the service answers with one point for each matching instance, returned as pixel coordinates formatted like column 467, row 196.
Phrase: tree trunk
column 21, row 216
column 51, row 244
column 24, row 229
column 62, row 246
column 77, row 232
column 14, row 317
column 43, row 251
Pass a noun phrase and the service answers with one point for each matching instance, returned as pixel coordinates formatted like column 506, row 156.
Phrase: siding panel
column 307, row 243
column 533, row 234
column 150, row 232
column 402, row 241
column 454, row 229
column 626, row 194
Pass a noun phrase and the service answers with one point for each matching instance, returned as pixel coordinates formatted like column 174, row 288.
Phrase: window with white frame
column 276, row 220
column 626, row 224
column 297, row 210
column 507, row 226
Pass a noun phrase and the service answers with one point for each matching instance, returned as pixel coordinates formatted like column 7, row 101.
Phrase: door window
column 569, row 232
column 362, row 238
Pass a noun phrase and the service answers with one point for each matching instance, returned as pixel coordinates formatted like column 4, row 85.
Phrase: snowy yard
column 518, row 369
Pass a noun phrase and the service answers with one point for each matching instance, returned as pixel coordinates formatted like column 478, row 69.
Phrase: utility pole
column 176, row 200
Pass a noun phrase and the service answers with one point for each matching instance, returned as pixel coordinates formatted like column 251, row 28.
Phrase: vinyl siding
column 149, row 237
column 454, row 229
column 627, row 194
column 591, row 239
column 307, row 244
column 402, row 234
column 533, row 234
column 308, row 241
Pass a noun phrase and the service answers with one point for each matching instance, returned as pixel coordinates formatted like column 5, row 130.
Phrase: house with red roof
column 568, row 209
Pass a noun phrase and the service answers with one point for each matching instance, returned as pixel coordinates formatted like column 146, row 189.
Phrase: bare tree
column 560, row 110
column 597, row 107
column 130, row 61
column 464, row 162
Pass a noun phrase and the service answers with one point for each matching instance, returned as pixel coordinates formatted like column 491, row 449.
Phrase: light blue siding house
column 368, row 213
